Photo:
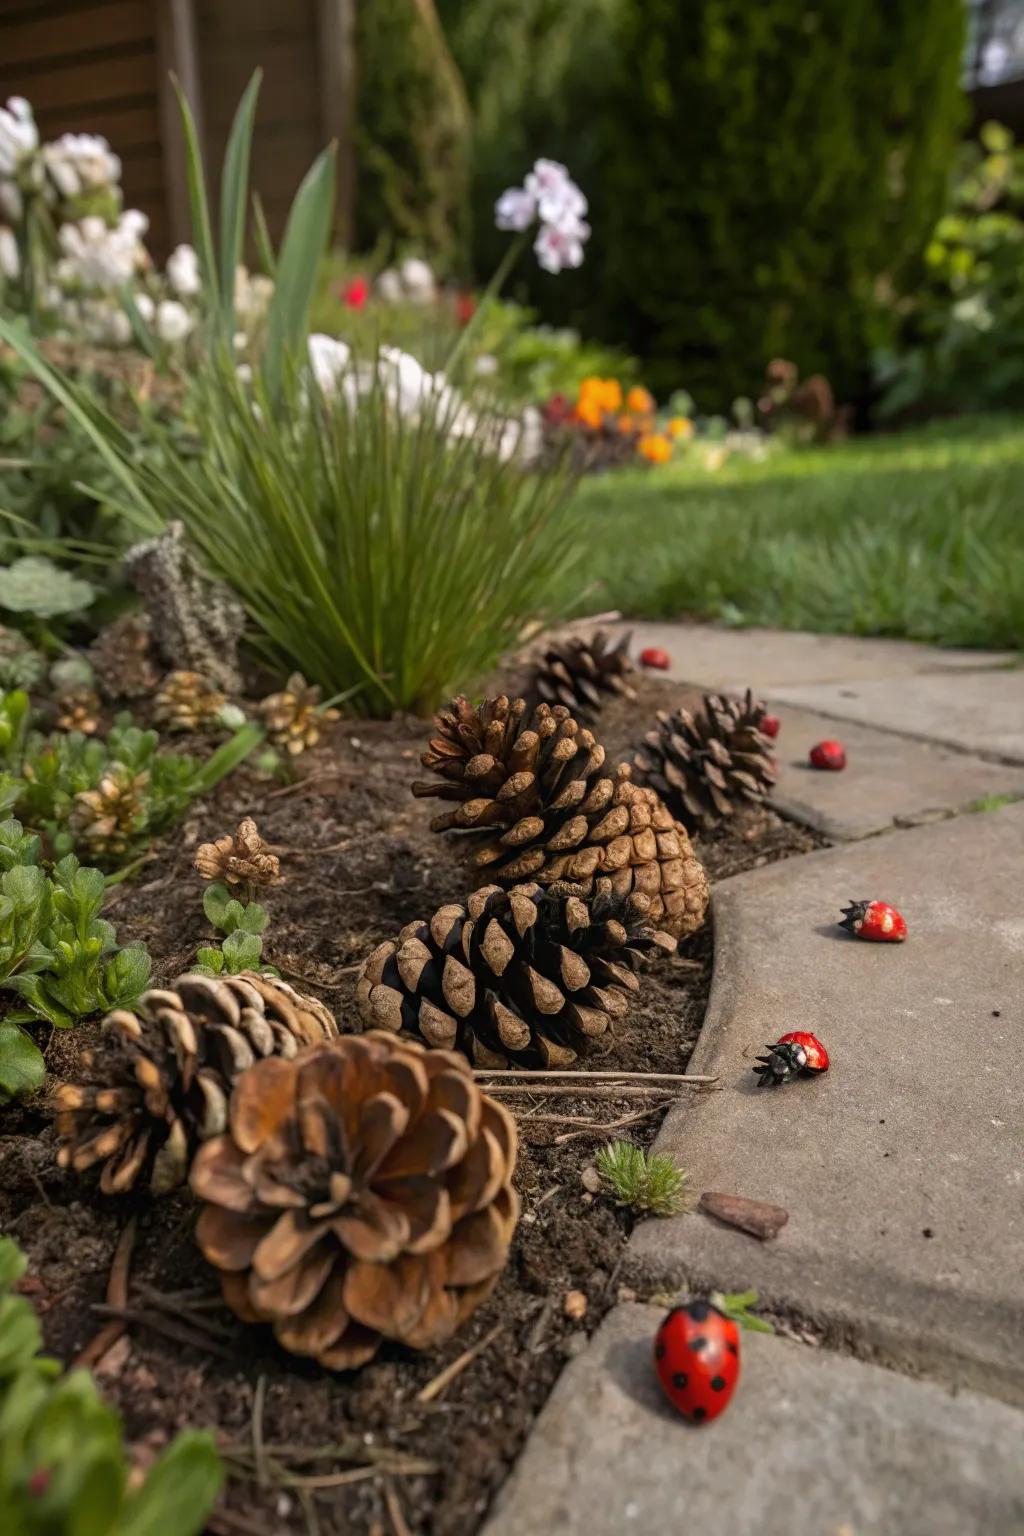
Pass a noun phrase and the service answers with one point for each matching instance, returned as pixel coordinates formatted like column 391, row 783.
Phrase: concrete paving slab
column 903, row 1167
column 712, row 657
column 889, row 780
column 980, row 712
column 812, row 1444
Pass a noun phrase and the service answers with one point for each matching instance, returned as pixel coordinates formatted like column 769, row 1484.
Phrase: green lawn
column 918, row 534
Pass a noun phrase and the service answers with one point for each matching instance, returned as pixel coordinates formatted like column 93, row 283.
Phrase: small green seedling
column 648, row 1183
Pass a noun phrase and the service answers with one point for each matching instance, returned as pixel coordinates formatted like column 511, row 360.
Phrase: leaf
column 254, row 918
column 216, row 898
column 305, row 238
column 227, row 758
column 209, row 960
column 179, row 1492
column 242, row 952
column 21, row 1337
column 13, row 1264
column 234, row 192
column 40, row 1002
column 22, row 1067
column 35, row 585
column 234, row 914
column 202, row 233
column 126, row 975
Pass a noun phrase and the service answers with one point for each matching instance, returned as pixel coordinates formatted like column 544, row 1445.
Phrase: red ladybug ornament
column 874, row 920
column 830, row 755
column 697, row 1358
column 654, row 656
column 770, row 726
column 790, row 1057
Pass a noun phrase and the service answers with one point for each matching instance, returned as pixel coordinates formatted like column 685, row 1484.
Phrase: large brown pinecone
column 584, row 672
column 363, row 1191
column 537, row 803
column 706, row 766
column 522, row 976
column 163, row 1086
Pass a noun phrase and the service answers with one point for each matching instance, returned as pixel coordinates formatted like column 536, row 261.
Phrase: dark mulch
column 360, row 862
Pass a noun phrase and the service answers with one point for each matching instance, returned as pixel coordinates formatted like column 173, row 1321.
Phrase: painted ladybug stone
column 830, row 755
column 770, row 725
column 874, row 920
column 791, row 1056
column 655, row 657
column 697, row 1358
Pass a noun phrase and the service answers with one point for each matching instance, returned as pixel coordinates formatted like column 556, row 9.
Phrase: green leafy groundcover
column 63, row 1469
column 915, row 534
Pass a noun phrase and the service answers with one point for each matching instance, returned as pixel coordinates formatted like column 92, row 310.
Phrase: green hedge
column 770, row 168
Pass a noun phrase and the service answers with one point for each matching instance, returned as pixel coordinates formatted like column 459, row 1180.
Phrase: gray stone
column 974, row 711
column 903, row 1166
column 889, row 780
column 812, row 1444
column 716, row 658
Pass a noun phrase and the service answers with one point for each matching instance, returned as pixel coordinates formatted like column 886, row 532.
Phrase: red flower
column 557, row 410
column 355, row 293
column 465, row 307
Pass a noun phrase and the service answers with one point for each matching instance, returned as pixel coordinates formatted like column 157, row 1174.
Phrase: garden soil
column 358, row 1453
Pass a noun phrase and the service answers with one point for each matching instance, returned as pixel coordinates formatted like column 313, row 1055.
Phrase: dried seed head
column 293, row 717
column 243, row 858
column 185, row 701
column 78, row 710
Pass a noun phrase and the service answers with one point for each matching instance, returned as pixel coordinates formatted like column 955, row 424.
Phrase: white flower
column 115, row 328
column 558, row 247
column 10, row 264
column 515, row 209
column 389, row 287
column 102, row 257
column 418, row 280
column 973, row 311
column 546, row 177
column 19, row 136
column 81, row 161
column 173, row 321
column 11, row 203
column 486, row 365
column 183, row 271
column 145, row 306
column 561, row 205
column 253, row 293
column 329, row 360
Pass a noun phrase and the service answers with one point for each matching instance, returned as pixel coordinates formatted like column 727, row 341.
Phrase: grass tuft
column 648, row 1183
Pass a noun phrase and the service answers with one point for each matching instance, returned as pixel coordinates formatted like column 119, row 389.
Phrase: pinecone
column 185, row 701
column 363, row 1191
column 538, row 804
column 122, row 659
column 585, row 672
column 107, row 819
column 163, row 1087
column 524, row 976
column 242, row 858
column 709, row 764
column 78, row 710
column 293, row 718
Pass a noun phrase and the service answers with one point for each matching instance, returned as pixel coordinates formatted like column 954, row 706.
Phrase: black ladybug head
column 782, row 1063
column 854, row 915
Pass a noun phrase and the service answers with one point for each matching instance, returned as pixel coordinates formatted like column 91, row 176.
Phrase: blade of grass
column 234, row 196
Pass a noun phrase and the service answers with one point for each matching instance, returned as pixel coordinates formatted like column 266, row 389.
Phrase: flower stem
column 492, row 290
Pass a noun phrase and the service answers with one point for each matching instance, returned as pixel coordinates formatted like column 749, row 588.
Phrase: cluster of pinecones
column 359, row 1187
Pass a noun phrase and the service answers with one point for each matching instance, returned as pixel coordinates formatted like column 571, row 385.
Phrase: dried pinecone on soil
column 363, row 1191
column 163, row 1086
column 522, row 976
column 122, row 658
column 293, row 717
column 585, row 672
column 106, row 820
column 706, row 766
column 242, row 859
column 537, row 803
column 185, row 701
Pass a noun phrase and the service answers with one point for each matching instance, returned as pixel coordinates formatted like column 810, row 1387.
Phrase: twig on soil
column 566, row 1090
column 378, row 1456
column 395, row 1511
column 592, row 1127
column 444, row 1378
column 312, row 853
column 180, row 1306
column 157, row 1323
column 117, row 1296
column 517, row 1074
column 259, row 1454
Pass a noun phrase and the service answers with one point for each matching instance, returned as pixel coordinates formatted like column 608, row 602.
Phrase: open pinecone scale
column 162, row 1085
column 707, row 765
column 525, row 976
column 536, row 803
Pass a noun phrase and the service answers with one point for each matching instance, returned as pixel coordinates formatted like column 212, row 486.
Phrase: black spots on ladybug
column 718, row 1383
column 731, row 1347
column 698, row 1414
column 659, row 1350
column 699, row 1343
column 698, row 1310
column 679, row 1380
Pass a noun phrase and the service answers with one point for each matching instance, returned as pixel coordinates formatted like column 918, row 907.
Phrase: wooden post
column 337, row 39
column 177, row 54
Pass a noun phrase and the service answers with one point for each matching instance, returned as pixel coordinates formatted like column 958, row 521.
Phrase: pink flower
column 557, row 247
column 515, row 209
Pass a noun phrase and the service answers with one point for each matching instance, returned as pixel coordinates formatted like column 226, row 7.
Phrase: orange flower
column 640, row 401
column 626, row 425
column 589, row 412
column 680, row 426
column 655, row 447
column 606, row 394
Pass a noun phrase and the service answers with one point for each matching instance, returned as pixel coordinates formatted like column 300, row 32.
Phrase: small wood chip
column 591, row 1180
column 574, row 1305
column 754, row 1216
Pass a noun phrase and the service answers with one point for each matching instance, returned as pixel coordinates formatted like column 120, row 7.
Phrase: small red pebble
column 790, row 1057
column 770, row 726
column 697, row 1358
column 654, row 656
column 874, row 920
column 829, row 754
